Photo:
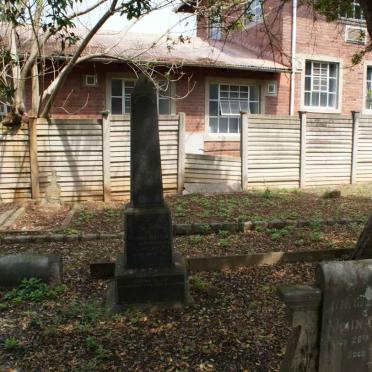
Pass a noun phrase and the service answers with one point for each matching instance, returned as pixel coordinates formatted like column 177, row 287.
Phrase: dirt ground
column 235, row 323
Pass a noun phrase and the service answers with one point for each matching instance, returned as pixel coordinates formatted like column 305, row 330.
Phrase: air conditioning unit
column 356, row 35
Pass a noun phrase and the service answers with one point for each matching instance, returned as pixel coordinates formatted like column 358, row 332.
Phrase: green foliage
column 199, row 284
column 93, row 346
column 86, row 313
column 34, row 289
column 195, row 239
column 135, row 8
column 11, row 344
column 3, row 307
column 85, row 215
column 223, row 233
column 110, row 214
column 205, row 229
column 223, row 243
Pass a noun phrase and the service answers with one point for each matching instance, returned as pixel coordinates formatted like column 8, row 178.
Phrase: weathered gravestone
column 148, row 271
column 53, row 191
column 332, row 321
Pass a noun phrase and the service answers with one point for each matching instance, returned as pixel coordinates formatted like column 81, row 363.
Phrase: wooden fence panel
column 364, row 153
column 328, row 150
column 15, row 178
column 120, row 155
column 273, row 151
column 72, row 148
column 212, row 169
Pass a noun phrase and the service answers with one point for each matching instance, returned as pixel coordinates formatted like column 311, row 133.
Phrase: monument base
column 156, row 287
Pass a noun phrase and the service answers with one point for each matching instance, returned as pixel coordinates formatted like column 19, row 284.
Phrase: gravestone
column 149, row 270
column 53, row 191
column 332, row 320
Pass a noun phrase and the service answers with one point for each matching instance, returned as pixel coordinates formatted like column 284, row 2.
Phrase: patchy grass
column 247, row 206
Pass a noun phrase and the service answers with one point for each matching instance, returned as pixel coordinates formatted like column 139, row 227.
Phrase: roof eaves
column 192, row 64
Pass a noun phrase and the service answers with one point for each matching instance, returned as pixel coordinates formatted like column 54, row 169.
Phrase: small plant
column 85, row 215
column 205, row 229
column 315, row 224
column 35, row 323
column 195, row 239
column 180, row 212
column 223, row 233
column 299, row 242
column 3, row 306
column 11, row 344
column 86, row 313
column 110, row 214
column 199, row 284
column 223, row 243
column 92, row 345
column 267, row 194
column 34, row 289
column 315, row 236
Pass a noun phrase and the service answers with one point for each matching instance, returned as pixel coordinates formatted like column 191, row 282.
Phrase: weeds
column 11, row 344
column 35, row 290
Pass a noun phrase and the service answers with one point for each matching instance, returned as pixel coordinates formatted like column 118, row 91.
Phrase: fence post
column 303, row 120
column 34, row 163
column 106, row 158
column 181, row 152
column 244, row 149
column 354, row 150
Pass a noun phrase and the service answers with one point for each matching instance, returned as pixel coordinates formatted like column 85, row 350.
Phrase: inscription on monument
column 346, row 332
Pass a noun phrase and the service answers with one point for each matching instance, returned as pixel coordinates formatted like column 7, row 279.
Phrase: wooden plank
column 32, row 130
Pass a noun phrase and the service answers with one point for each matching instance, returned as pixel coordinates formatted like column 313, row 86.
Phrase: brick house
column 217, row 76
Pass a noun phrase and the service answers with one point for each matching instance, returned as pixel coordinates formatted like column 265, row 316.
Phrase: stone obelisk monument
column 148, row 271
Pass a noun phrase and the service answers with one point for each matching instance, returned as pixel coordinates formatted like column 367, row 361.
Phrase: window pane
column 308, row 83
column 244, row 106
column 223, row 125
column 323, row 99
column 116, row 106
column 127, row 105
column 235, row 107
column 164, row 106
column 213, row 108
column 307, row 98
column 332, row 101
column 213, row 91
column 254, row 93
column 369, row 73
column 315, row 99
column 332, row 85
column 308, row 68
column 116, row 87
column 234, row 125
column 333, row 70
column 254, row 107
column 213, row 125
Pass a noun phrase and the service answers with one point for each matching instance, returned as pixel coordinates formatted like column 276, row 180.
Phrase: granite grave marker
column 149, row 270
column 332, row 321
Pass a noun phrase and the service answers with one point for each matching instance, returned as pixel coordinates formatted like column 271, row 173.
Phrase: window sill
column 320, row 110
column 222, row 137
column 353, row 22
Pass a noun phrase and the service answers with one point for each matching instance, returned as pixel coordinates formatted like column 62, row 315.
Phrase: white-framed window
column 214, row 27
column 254, row 12
column 4, row 109
column 272, row 88
column 355, row 13
column 227, row 101
column 90, row 80
column 321, row 84
column 369, row 89
column 356, row 35
column 121, row 90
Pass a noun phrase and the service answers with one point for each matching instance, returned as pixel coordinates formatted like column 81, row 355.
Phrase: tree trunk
column 364, row 246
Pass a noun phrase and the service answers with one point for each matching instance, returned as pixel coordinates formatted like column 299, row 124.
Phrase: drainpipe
column 293, row 53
